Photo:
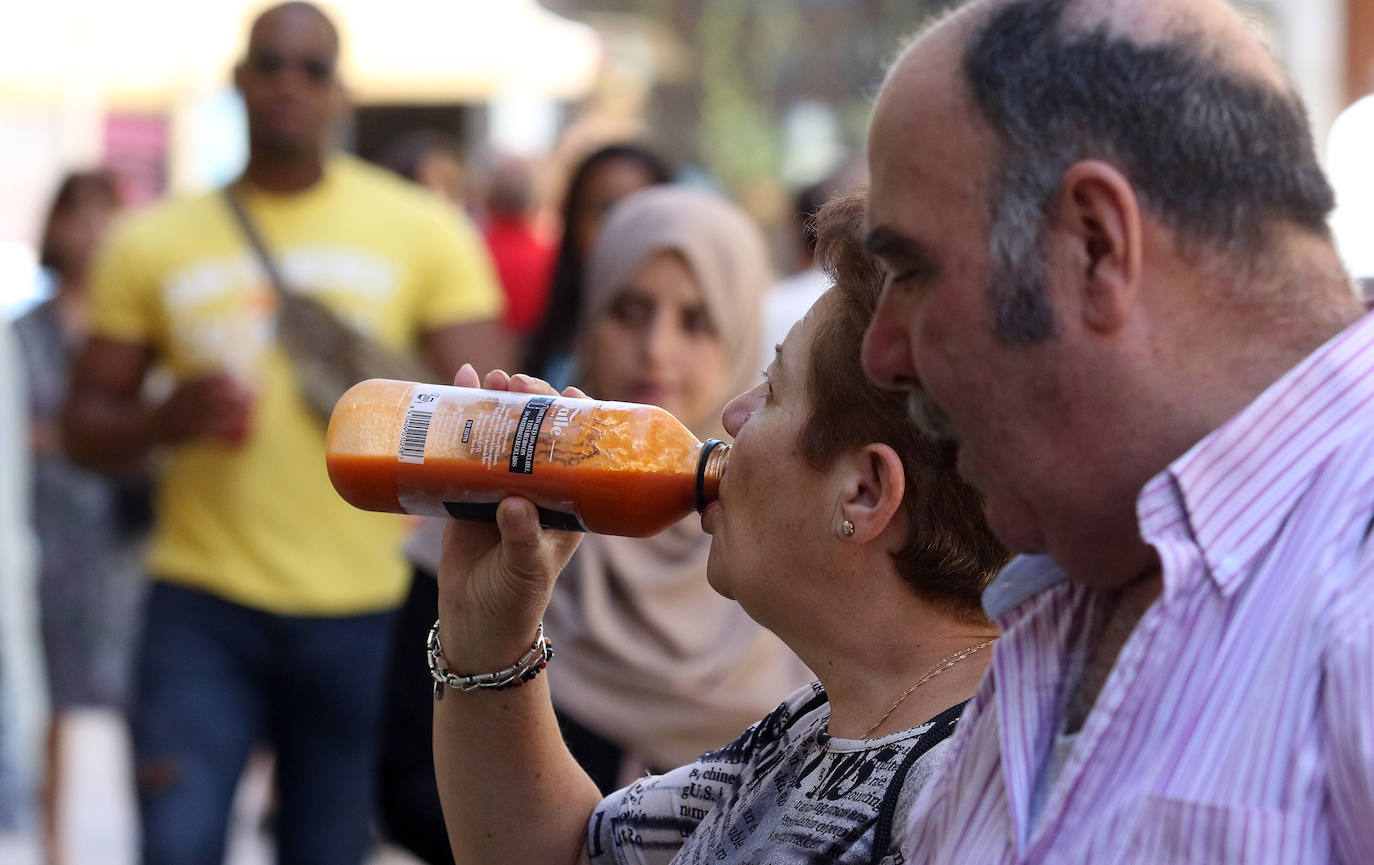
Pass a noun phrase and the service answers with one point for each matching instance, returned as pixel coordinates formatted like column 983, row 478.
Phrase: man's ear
column 1097, row 227
column 240, row 69
column 871, row 486
column 340, row 100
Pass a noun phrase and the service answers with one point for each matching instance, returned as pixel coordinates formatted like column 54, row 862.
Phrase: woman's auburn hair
column 950, row 554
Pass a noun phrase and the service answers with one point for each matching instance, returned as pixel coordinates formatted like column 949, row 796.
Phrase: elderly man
column 1110, row 279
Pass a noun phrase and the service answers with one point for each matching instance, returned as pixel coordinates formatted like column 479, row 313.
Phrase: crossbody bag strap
column 250, row 233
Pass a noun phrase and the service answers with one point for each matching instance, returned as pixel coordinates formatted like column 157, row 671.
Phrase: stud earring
column 847, row 529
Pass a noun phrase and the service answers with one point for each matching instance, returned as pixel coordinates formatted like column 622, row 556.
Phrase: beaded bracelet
column 530, row 664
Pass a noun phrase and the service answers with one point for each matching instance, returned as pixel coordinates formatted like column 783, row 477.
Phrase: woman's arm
column 511, row 791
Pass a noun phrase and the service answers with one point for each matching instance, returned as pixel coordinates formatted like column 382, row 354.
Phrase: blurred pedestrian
column 433, row 160
column 659, row 667
column 600, row 180
column 409, row 798
column 523, row 257
column 269, row 615
column 89, row 527
column 788, row 299
column 22, row 695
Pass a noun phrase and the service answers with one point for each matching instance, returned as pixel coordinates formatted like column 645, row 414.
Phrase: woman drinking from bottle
column 837, row 527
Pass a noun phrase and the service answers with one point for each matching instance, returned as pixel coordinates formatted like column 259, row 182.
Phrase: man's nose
column 886, row 352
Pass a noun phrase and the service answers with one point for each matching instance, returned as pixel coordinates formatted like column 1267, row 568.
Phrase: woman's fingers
column 496, row 380
column 465, row 541
column 495, row 580
column 520, row 534
column 530, row 384
column 527, row 548
column 467, row 377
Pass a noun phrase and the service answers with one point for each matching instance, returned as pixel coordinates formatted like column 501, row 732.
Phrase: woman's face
column 772, row 504
column 656, row 343
column 607, row 183
column 444, row 174
column 77, row 234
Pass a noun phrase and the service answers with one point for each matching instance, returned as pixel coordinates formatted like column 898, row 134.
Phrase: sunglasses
column 270, row 64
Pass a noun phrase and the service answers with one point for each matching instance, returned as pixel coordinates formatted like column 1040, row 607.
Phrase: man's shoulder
column 383, row 189
column 169, row 220
column 1343, row 512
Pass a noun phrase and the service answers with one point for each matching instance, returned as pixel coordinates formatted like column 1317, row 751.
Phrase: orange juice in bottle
column 609, row 467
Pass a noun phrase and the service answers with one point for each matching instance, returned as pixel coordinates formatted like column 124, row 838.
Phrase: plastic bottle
column 614, row 468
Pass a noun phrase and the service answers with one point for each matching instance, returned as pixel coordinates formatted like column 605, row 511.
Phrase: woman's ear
column 872, row 486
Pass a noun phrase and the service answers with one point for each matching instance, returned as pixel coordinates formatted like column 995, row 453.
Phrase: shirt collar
column 1234, row 488
column 1023, row 578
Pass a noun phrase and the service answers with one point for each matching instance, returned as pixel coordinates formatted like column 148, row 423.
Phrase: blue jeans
column 215, row 679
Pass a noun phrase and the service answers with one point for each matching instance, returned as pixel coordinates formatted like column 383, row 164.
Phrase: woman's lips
column 710, row 509
column 650, row 392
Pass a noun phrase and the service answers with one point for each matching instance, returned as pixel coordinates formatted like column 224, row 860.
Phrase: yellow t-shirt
column 260, row 524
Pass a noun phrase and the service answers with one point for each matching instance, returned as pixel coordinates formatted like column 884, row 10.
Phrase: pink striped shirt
column 1238, row 722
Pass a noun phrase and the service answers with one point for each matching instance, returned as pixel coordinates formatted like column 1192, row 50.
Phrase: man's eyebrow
column 888, row 244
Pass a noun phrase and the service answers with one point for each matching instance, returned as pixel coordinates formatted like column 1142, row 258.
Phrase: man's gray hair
column 1218, row 156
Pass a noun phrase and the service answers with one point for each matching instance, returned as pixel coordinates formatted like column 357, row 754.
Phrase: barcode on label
column 415, row 430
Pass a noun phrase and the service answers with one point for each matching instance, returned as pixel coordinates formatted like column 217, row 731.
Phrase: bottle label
column 415, row 430
column 485, row 512
column 527, row 434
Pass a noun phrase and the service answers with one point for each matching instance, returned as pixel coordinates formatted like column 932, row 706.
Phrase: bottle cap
column 714, row 455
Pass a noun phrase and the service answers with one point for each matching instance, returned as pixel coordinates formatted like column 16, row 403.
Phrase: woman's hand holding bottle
column 495, row 580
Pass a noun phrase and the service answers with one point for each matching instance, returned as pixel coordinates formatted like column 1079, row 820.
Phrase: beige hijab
column 650, row 656
column 724, row 250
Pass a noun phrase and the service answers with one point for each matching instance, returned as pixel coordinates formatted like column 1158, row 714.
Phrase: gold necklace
column 945, row 663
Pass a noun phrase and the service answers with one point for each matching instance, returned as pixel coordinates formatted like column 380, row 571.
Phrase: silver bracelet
column 530, row 664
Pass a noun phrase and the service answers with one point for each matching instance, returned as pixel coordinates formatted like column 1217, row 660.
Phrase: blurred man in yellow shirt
column 269, row 614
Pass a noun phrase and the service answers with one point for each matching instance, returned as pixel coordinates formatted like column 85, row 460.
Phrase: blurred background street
column 759, row 98
column 102, row 824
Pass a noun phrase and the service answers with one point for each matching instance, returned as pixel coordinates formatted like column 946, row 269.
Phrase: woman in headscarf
column 597, row 184
column 658, row 664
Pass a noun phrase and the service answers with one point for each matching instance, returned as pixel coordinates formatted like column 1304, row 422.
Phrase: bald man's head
column 293, row 13
column 1178, row 95
column 1212, row 21
column 288, row 80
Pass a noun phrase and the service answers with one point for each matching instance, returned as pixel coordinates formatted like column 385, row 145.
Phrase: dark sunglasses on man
column 271, row 64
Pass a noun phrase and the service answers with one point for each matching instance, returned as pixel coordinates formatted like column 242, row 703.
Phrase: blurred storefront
column 143, row 86
column 759, row 97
